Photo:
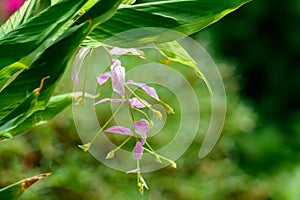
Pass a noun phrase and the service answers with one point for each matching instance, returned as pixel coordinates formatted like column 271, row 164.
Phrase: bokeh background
column 257, row 49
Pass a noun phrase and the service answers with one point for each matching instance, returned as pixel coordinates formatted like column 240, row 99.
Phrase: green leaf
column 9, row 73
column 53, row 62
column 19, row 17
column 173, row 51
column 14, row 191
column 100, row 12
column 129, row 2
column 185, row 16
column 55, row 105
column 27, row 37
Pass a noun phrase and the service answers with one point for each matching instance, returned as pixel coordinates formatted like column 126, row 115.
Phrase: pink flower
column 10, row 6
column 103, row 78
column 142, row 127
column 138, row 150
column 109, row 99
column 77, row 64
column 119, row 129
column 149, row 90
column 118, row 77
column 135, row 102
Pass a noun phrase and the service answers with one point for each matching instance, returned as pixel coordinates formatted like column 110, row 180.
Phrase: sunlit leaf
column 55, row 105
column 9, row 73
column 19, row 17
column 185, row 16
column 173, row 51
column 25, row 38
column 17, row 111
column 128, row 2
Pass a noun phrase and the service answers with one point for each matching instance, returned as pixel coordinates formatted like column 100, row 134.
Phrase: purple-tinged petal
column 141, row 126
column 138, row 151
column 109, row 99
column 135, row 102
column 119, row 129
column 133, row 171
column 10, row 6
column 149, row 90
column 101, row 79
column 77, row 64
column 118, row 77
column 121, row 51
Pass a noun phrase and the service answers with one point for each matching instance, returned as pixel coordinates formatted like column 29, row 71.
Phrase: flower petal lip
column 122, row 51
column 77, row 64
column 101, row 79
column 119, row 129
column 149, row 90
column 141, row 126
column 135, row 102
column 109, row 99
column 138, row 151
column 118, row 77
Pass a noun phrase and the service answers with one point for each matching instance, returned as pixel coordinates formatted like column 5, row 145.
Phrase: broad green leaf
column 100, row 12
column 128, row 2
column 18, row 114
column 14, row 191
column 27, row 37
column 173, row 51
column 55, row 105
column 54, row 1
column 185, row 16
column 19, row 17
column 9, row 73
column 53, row 62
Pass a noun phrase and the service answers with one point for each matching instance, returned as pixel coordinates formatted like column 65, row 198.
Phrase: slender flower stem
column 142, row 112
column 106, row 123
column 108, row 53
column 154, row 153
column 162, row 157
column 131, row 111
column 112, row 152
column 169, row 108
column 141, row 100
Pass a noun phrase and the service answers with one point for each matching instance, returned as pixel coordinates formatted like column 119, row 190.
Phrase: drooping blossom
column 118, row 77
column 149, row 90
column 109, row 99
column 77, row 64
column 138, row 150
column 122, row 51
column 142, row 127
column 119, row 129
column 103, row 78
column 135, row 102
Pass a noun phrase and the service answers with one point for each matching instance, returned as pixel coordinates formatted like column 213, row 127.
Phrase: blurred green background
column 257, row 49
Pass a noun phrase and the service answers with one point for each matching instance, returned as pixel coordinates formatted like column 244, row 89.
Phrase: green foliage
column 14, row 191
column 36, row 48
column 185, row 16
column 19, row 17
column 173, row 51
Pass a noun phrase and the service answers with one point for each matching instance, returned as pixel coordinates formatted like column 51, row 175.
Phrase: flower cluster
column 117, row 75
column 127, row 95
